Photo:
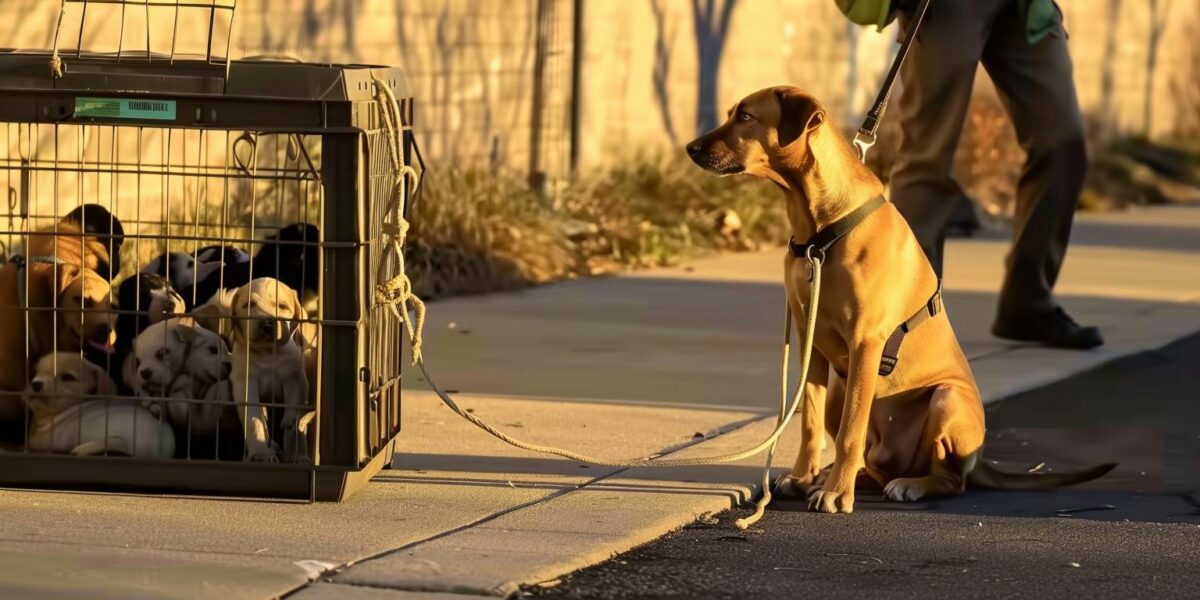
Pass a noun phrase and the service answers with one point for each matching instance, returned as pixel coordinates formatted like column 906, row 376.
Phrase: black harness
column 824, row 239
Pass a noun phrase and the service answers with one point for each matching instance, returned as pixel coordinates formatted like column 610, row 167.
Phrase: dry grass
column 474, row 231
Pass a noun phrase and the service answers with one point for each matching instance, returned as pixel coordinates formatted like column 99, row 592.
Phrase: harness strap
column 891, row 349
column 824, row 239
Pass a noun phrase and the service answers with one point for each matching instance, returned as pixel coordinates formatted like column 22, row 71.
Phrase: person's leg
column 934, row 92
column 1034, row 82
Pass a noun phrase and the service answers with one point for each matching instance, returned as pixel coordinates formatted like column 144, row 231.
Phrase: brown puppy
column 917, row 432
column 83, row 318
column 70, row 244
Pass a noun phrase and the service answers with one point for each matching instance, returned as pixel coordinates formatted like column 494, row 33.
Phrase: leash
column 396, row 293
column 865, row 137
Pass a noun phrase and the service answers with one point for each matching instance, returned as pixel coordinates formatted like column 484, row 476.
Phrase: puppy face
column 86, row 317
column 768, row 128
column 172, row 347
column 178, row 267
column 61, row 380
column 267, row 314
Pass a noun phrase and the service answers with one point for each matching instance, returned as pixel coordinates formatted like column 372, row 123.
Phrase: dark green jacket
column 1041, row 16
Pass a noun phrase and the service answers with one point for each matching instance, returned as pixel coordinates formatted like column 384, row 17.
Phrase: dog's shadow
column 1086, row 504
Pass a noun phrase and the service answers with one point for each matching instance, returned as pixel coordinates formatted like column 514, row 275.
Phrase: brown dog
column 67, row 307
column 917, row 431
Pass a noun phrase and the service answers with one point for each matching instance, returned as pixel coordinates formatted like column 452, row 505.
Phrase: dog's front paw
column 905, row 489
column 832, row 501
column 799, row 487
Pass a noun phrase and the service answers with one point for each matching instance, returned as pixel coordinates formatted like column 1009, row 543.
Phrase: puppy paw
column 904, row 490
column 262, row 457
column 831, row 501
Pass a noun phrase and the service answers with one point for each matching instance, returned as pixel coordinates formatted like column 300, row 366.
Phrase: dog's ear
column 183, row 331
column 799, row 114
column 298, row 313
column 209, row 316
column 67, row 274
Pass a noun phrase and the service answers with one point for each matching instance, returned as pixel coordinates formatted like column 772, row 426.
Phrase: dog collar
column 22, row 283
column 824, row 239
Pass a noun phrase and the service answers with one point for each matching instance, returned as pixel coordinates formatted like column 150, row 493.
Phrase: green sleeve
column 1041, row 19
column 867, row 12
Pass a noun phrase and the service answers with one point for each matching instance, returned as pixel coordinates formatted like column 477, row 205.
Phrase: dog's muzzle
column 700, row 151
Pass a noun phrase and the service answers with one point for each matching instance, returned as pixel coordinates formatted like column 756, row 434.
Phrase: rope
column 56, row 63
column 396, row 293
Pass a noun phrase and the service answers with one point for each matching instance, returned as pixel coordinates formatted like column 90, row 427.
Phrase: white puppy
column 268, row 365
column 177, row 358
column 64, row 420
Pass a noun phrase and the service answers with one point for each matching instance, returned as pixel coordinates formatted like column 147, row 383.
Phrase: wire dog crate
column 206, row 234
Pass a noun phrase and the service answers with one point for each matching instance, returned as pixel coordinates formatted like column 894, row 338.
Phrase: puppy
column 222, row 255
column 178, row 359
column 65, row 307
column 144, row 299
column 64, row 420
column 100, row 226
column 268, row 366
column 97, row 222
column 177, row 267
column 291, row 255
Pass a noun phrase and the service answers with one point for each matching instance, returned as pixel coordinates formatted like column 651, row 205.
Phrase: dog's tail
column 988, row 477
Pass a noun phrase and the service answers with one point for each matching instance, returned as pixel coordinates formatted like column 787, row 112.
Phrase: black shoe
column 1054, row 329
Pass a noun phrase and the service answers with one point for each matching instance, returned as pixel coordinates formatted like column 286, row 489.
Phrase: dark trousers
column 1035, row 85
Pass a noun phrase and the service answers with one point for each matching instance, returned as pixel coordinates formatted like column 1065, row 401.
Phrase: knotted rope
column 56, row 63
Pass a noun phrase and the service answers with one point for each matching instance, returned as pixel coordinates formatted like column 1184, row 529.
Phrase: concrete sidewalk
column 678, row 361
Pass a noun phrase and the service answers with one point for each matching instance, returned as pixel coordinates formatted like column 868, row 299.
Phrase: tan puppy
column 266, row 319
column 84, row 318
column 65, row 420
column 919, row 431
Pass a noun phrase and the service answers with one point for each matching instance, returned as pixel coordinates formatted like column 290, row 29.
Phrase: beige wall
column 471, row 63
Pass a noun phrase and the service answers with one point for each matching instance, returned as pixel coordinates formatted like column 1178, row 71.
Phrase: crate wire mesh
column 260, row 363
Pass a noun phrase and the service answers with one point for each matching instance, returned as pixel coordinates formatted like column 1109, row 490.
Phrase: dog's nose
column 693, row 148
column 36, row 385
column 226, row 370
column 267, row 326
column 146, row 374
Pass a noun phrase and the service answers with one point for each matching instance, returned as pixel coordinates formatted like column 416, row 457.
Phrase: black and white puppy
column 291, row 255
column 178, row 267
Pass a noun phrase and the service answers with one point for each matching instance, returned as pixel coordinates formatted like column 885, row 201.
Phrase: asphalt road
column 1134, row 533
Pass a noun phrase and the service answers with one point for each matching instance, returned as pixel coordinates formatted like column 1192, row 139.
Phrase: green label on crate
column 124, row 108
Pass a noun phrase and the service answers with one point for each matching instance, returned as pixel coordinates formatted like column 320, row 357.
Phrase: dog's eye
column 162, row 353
column 743, row 116
column 67, row 377
column 283, row 307
column 212, row 349
column 88, row 303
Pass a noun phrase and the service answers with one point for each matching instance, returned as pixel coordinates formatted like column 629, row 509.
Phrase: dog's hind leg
column 954, row 436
